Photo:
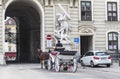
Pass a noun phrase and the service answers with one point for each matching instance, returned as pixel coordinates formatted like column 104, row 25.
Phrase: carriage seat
column 54, row 53
column 68, row 52
column 60, row 49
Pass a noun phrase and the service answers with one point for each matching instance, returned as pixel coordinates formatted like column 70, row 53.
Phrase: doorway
column 86, row 44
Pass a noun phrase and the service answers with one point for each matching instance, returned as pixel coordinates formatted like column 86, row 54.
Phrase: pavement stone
column 26, row 71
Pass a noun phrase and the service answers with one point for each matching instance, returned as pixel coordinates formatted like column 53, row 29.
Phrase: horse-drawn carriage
column 61, row 59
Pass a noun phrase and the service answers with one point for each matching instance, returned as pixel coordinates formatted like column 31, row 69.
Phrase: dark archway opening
column 28, row 30
column 86, row 44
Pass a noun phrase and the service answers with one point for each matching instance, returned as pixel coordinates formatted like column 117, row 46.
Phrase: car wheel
column 49, row 63
column 92, row 64
column 108, row 65
column 57, row 64
column 75, row 65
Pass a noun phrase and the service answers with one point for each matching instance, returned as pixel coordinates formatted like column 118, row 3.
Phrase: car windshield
column 101, row 53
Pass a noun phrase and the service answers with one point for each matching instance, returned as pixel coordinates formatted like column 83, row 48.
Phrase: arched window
column 113, row 41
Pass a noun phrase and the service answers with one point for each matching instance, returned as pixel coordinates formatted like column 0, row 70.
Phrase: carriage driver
column 59, row 46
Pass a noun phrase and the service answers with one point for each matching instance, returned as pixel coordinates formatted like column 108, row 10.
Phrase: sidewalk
column 115, row 68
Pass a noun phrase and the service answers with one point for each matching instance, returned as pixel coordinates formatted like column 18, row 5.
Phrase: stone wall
column 99, row 24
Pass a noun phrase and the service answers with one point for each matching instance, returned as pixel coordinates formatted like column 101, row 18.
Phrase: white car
column 94, row 58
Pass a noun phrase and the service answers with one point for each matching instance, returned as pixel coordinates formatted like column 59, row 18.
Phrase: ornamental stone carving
column 86, row 29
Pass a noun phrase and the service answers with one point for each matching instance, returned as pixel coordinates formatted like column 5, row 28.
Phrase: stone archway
column 30, row 34
column 86, row 33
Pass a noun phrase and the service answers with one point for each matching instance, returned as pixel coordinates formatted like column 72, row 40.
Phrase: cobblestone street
column 33, row 71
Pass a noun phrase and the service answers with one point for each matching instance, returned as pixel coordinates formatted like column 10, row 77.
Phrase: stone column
column 2, row 56
column 71, row 3
column 46, row 2
column 74, row 3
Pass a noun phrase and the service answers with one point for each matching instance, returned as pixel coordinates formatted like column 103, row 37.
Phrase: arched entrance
column 86, row 38
column 29, row 18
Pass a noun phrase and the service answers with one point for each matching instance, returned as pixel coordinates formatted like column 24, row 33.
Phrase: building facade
column 94, row 22
column 10, row 39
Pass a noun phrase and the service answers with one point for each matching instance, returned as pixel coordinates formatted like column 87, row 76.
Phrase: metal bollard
column 112, row 62
column 119, row 62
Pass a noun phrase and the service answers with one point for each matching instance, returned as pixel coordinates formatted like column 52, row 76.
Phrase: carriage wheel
column 57, row 64
column 49, row 64
column 75, row 65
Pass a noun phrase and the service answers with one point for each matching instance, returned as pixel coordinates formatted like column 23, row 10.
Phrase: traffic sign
column 49, row 37
column 76, row 40
column 49, row 43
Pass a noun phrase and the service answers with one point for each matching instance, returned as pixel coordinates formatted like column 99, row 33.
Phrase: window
column 89, row 54
column 101, row 53
column 113, row 41
column 112, row 11
column 86, row 11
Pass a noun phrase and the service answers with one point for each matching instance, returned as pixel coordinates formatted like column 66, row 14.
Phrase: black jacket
column 59, row 44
